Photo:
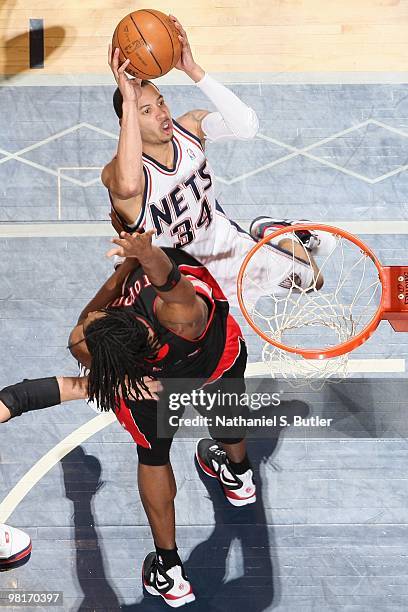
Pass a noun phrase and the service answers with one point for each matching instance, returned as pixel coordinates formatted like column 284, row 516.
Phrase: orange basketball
column 150, row 40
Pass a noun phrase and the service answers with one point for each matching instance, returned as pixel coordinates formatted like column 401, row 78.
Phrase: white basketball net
column 311, row 318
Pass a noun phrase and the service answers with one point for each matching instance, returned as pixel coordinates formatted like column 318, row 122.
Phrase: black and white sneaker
column 172, row 585
column 239, row 489
column 315, row 241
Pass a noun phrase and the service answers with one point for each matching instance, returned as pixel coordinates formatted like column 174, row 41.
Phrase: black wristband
column 172, row 279
column 31, row 395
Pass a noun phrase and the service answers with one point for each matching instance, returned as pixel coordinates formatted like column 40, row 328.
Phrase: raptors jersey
column 207, row 357
column 179, row 203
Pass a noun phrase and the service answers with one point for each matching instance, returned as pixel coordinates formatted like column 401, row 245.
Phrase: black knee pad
column 158, row 455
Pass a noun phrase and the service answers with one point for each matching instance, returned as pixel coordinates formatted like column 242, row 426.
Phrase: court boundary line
column 49, row 460
column 65, row 228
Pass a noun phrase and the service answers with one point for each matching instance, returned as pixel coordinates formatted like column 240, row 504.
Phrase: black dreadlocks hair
column 120, row 347
column 118, row 98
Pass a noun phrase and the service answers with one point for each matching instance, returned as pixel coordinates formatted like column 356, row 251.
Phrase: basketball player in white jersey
column 160, row 178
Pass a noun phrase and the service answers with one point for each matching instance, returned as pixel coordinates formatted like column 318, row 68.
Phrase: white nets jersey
column 179, row 203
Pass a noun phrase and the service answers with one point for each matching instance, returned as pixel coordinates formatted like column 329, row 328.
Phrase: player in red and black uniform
column 208, row 354
column 161, row 315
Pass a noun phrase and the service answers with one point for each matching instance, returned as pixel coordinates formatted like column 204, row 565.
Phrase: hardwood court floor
column 226, row 35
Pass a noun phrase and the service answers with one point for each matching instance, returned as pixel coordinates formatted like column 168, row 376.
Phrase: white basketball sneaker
column 15, row 547
column 315, row 241
column 239, row 489
column 172, row 585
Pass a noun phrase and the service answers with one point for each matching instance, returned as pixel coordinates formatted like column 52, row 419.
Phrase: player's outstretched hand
column 186, row 63
column 133, row 245
column 129, row 88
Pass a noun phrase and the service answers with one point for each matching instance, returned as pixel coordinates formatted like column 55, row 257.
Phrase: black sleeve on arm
column 31, row 395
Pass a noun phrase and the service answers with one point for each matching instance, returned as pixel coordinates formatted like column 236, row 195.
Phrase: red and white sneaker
column 15, row 547
column 172, row 585
column 239, row 489
column 315, row 241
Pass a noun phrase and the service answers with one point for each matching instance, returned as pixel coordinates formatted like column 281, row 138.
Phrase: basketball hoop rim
column 317, row 353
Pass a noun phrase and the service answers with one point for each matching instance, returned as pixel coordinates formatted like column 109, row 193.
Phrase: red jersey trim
column 200, row 284
column 125, row 418
column 231, row 352
column 202, row 274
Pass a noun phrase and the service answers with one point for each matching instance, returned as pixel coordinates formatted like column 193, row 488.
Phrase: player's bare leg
column 299, row 251
column 157, row 488
column 235, row 452
column 163, row 572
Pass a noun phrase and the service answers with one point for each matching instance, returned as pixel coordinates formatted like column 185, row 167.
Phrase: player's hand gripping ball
column 150, row 40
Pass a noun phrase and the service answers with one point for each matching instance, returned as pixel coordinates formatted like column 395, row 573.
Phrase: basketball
column 149, row 39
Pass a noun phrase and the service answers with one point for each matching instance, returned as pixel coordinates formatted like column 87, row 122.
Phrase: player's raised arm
column 233, row 119
column 161, row 271
column 123, row 176
column 178, row 302
column 110, row 290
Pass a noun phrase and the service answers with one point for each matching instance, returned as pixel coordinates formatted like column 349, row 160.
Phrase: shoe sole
column 268, row 220
column 241, row 502
column 319, row 251
column 173, row 603
column 10, row 561
column 233, row 502
column 253, row 222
